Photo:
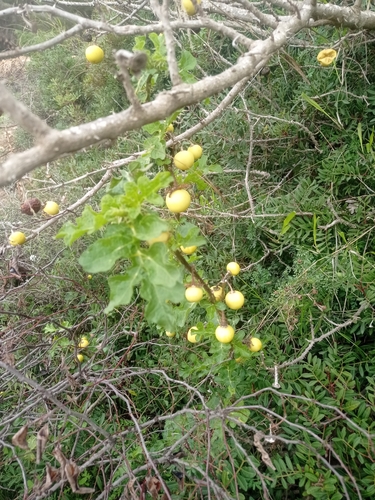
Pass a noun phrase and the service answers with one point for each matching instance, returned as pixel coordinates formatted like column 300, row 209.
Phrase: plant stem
column 195, row 275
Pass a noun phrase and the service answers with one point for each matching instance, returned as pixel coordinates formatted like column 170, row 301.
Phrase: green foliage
column 306, row 252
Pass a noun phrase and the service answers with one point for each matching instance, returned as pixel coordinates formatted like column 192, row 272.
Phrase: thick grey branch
column 59, row 143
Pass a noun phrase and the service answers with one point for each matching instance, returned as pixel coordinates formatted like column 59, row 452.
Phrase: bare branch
column 44, row 45
column 21, row 115
column 162, row 12
column 59, row 143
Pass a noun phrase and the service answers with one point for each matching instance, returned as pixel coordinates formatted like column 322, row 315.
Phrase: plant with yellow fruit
column 170, row 334
column 184, row 160
column 80, row 358
column 17, row 238
column 188, row 250
column 193, row 293
column 224, row 334
column 84, row 342
column 218, row 292
column 51, row 208
column 162, row 238
column 196, row 151
column 191, row 336
column 178, row 201
column 234, row 299
column 94, row 54
column 233, row 268
column 255, row 344
column 190, row 7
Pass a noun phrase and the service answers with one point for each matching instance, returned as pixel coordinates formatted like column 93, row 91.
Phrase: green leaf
column 187, row 61
column 160, row 270
column 148, row 187
column 121, row 288
column 103, row 254
column 319, row 108
column 140, row 42
column 189, row 235
column 286, row 222
column 311, row 477
column 156, row 147
column 149, row 226
column 152, row 128
column 359, row 132
column 89, row 222
column 120, row 206
column 159, row 309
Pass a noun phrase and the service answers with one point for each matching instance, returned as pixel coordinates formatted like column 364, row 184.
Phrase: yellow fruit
column 224, row 334
column 189, row 7
column 234, row 300
column 255, row 344
column 162, row 238
column 51, row 208
column 89, row 276
column 80, row 358
column 94, row 54
column 170, row 334
column 233, row 268
column 191, row 337
column 196, row 151
column 188, row 250
column 170, row 128
column 178, row 201
column 17, row 238
column 218, row 292
column 194, row 294
column 84, row 342
column 183, row 160
column 326, row 57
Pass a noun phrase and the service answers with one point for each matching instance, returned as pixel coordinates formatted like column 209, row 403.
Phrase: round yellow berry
column 94, row 54
column 17, row 238
column 184, row 160
column 51, row 208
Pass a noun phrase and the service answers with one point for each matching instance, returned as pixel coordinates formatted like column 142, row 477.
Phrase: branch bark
column 58, row 143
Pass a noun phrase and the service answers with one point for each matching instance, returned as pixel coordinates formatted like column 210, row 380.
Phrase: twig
column 349, row 322
column 162, row 11
column 21, row 115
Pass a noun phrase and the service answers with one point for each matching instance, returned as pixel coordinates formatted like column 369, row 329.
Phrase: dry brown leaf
column 52, row 476
column 71, row 472
column 20, row 438
column 41, row 442
column 58, row 454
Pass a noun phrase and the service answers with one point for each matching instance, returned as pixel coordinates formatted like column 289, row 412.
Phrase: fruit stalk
column 222, row 319
column 195, row 275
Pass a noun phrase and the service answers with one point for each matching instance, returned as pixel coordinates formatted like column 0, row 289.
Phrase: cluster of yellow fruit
column 84, row 342
column 234, row 299
column 179, row 200
column 19, row 238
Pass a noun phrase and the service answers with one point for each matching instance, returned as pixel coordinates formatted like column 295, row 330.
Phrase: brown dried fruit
column 31, row 206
